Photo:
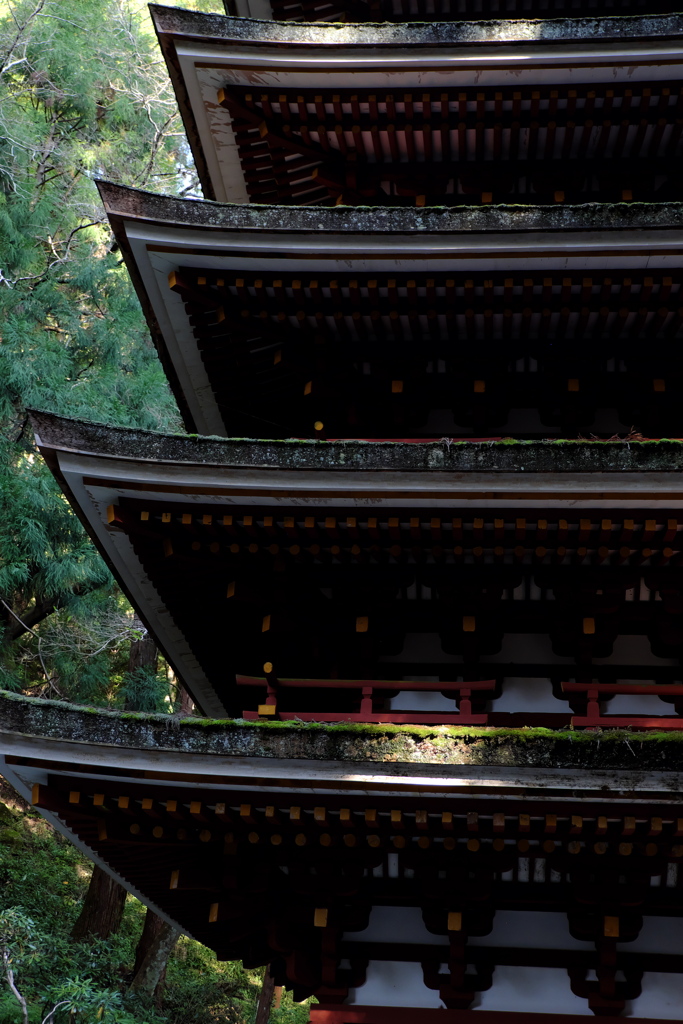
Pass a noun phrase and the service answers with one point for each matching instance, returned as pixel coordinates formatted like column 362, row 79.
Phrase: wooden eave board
column 611, row 259
column 153, row 510
column 482, row 68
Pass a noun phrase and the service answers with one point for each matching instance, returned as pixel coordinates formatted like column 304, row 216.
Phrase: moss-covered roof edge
column 507, row 455
column 521, row 31
column 124, row 202
column 345, row 742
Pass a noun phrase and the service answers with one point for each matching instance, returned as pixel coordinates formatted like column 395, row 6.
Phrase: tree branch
column 51, row 1015
column 28, row 629
column 17, row 38
column 31, row 618
column 9, row 975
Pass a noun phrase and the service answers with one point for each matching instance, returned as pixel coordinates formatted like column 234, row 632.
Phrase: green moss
column 208, row 723
column 438, row 734
column 443, row 733
column 436, row 748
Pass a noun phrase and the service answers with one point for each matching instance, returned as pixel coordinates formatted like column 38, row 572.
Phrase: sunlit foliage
column 84, row 93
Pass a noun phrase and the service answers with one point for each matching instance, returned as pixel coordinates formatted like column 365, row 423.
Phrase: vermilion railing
column 366, row 690
column 358, row 700
column 593, row 716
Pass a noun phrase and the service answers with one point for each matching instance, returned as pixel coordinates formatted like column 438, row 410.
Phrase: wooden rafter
column 460, row 146
column 273, row 877
column 403, row 345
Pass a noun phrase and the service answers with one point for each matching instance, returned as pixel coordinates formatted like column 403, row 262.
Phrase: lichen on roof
column 344, row 742
column 444, row 455
column 121, row 201
column 518, row 31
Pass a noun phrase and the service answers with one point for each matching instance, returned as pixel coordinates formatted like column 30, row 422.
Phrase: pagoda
column 419, row 558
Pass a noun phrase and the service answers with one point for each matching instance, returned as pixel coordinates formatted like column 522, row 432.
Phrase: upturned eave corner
column 59, row 433
column 124, row 202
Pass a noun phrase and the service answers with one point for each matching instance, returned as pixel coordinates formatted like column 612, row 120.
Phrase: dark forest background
column 84, row 94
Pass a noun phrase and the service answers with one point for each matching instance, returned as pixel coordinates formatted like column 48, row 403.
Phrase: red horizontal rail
column 359, row 684
column 463, row 691
column 322, row 1014
column 367, row 688
column 656, row 689
column 377, row 717
column 594, row 718
column 631, row 722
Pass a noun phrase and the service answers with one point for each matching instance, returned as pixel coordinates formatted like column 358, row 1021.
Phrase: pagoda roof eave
column 123, row 483
column 208, row 54
column 396, row 758
column 506, row 456
column 124, row 203
column 151, row 798
column 192, row 25
column 189, row 258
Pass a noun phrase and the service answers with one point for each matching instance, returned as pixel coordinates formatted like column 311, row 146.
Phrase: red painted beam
column 382, row 1015
column 409, row 685
column 378, row 718
column 619, row 722
column 418, row 1015
column 625, row 689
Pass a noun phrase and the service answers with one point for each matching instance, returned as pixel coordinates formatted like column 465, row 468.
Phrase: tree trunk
column 143, row 654
column 151, row 972
column 186, row 702
column 265, row 999
column 102, row 908
column 150, row 929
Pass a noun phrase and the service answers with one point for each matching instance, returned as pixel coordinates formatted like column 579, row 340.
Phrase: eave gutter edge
column 222, row 28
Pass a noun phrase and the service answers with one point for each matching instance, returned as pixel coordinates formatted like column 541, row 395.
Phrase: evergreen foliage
column 43, row 879
column 84, row 93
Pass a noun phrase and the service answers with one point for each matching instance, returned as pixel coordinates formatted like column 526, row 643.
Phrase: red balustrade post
column 366, row 702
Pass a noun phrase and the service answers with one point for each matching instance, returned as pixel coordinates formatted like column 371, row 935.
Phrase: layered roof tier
column 352, row 601
column 258, row 562
column 334, row 856
column 566, row 110
column 531, row 321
